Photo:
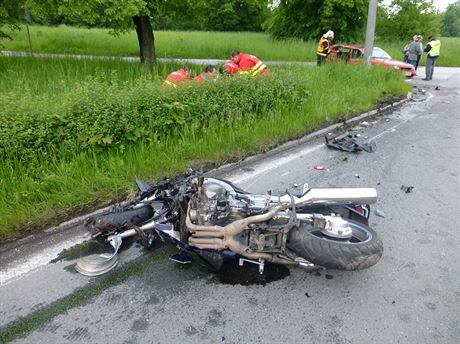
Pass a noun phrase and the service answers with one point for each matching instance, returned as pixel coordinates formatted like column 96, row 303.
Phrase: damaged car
column 354, row 54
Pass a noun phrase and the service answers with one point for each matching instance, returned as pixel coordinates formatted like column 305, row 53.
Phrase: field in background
column 75, row 133
column 193, row 44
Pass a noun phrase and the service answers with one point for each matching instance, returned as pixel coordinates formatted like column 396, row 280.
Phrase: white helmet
column 329, row 34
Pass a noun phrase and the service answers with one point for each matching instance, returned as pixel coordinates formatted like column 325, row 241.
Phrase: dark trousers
column 320, row 59
column 418, row 61
column 429, row 66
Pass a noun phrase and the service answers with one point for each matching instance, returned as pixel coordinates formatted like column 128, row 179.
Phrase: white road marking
column 33, row 262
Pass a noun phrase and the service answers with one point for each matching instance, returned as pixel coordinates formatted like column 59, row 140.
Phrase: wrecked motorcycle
column 212, row 220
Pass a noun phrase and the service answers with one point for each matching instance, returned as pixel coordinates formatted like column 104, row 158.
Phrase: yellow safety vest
column 260, row 66
column 435, row 48
column 322, row 50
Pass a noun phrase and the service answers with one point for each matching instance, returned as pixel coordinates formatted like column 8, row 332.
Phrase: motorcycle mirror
column 144, row 188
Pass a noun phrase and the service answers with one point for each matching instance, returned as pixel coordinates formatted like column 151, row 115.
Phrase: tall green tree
column 403, row 19
column 310, row 18
column 120, row 15
column 451, row 20
column 11, row 14
column 231, row 15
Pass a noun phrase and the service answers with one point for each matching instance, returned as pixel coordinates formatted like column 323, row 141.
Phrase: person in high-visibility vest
column 179, row 76
column 248, row 64
column 324, row 47
column 433, row 48
column 207, row 75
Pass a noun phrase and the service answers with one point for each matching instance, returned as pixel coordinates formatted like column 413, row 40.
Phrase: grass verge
column 194, row 44
column 68, row 150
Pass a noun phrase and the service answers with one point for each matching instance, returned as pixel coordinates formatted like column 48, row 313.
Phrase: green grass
column 192, row 44
column 44, row 185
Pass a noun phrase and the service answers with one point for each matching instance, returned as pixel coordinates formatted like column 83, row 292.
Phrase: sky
column 442, row 4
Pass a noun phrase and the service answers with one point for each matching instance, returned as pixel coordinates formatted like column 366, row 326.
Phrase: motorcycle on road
column 213, row 220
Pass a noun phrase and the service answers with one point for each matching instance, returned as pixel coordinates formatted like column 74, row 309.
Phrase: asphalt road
column 411, row 296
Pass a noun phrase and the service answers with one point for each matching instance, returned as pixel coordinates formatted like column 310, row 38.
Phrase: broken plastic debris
column 407, row 189
column 365, row 124
column 318, row 167
column 350, row 143
column 356, row 175
column 296, row 185
column 379, row 213
column 437, row 88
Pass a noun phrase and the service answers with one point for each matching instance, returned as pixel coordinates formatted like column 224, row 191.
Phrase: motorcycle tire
column 112, row 221
column 363, row 250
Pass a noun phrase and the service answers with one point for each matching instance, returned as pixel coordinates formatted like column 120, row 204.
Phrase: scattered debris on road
column 379, row 213
column 407, row 189
column 356, row 175
column 350, row 143
column 318, row 167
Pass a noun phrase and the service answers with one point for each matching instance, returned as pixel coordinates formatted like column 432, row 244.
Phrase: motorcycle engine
column 215, row 205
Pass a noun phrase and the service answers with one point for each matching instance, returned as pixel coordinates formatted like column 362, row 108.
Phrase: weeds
column 82, row 146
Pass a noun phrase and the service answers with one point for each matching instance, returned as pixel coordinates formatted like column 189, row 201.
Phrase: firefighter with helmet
column 324, row 47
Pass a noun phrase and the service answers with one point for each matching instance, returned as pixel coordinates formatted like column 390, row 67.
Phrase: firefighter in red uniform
column 248, row 64
column 179, row 76
column 229, row 68
column 207, row 75
column 324, row 47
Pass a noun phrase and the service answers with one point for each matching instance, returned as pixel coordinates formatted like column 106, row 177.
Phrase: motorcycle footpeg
column 260, row 263
column 181, row 258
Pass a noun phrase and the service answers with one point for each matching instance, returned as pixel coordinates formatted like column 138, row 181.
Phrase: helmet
column 329, row 34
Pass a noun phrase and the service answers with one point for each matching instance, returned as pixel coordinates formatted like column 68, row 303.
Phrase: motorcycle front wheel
column 364, row 249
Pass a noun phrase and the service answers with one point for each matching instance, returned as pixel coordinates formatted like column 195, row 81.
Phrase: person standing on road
column 248, row 64
column 419, row 56
column 324, row 47
column 414, row 51
column 433, row 48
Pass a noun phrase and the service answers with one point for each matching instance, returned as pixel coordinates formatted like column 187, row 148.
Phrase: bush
column 98, row 114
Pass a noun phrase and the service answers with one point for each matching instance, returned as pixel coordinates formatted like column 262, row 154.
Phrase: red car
column 354, row 54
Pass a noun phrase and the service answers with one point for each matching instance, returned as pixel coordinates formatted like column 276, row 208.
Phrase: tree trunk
column 146, row 40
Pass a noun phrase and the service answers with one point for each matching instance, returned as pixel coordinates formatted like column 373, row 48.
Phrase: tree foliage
column 403, row 19
column 231, row 15
column 451, row 20
column 310, row 18
column 11, row 13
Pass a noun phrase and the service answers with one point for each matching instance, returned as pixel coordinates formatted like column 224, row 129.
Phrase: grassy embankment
column 74, row 134
column 193, row 44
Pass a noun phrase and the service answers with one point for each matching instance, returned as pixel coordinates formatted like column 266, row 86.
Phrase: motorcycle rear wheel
column 363, row 250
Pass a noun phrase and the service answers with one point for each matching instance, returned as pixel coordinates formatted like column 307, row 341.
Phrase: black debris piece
column 350, row 143
column 437, row 88
column 407, row 189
